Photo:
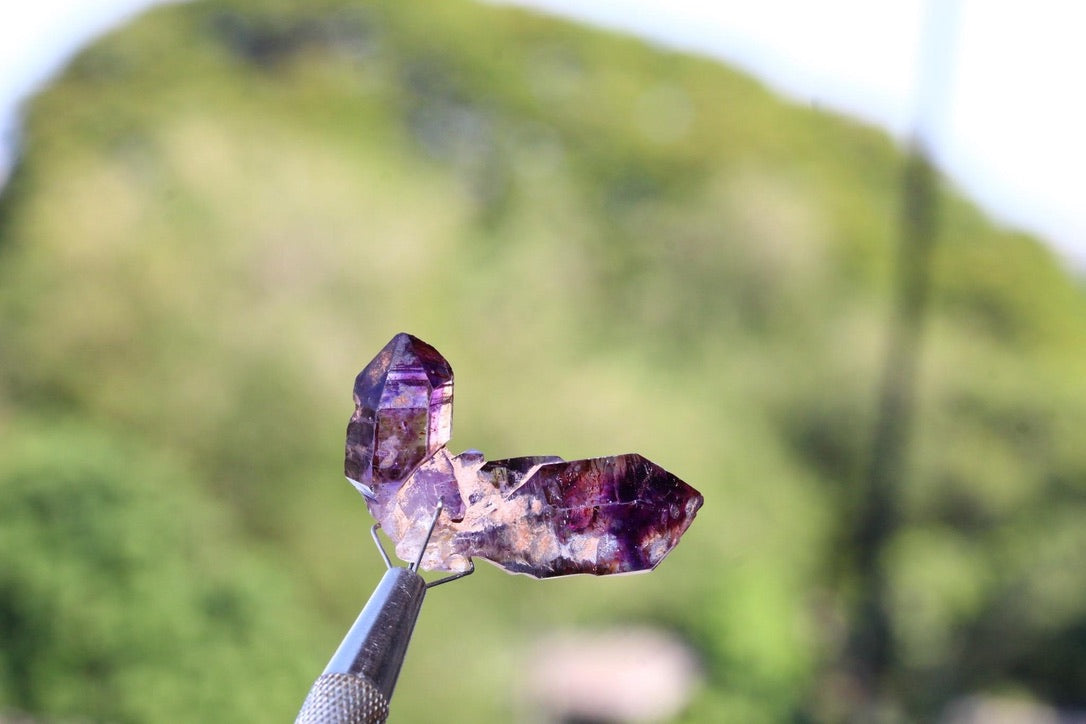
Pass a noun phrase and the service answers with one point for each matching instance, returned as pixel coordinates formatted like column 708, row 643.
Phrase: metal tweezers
column 357, row 684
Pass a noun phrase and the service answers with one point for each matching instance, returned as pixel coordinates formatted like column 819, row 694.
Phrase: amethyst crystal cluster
column 541, row 515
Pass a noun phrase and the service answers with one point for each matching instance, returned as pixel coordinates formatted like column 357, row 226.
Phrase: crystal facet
column 539, row 515
column 402, row 416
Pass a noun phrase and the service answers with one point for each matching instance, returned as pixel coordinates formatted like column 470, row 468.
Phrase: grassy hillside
column 224, row 210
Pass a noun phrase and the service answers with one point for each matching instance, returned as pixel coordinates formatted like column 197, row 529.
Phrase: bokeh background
column 223, row 210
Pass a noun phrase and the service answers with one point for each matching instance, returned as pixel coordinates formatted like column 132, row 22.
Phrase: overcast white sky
column 1009, row 132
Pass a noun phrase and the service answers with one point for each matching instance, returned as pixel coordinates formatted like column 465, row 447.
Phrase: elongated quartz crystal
column 541, row 515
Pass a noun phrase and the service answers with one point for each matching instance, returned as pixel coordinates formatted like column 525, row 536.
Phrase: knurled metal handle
column 357, row 684
column 343, row 699
column 358, row 681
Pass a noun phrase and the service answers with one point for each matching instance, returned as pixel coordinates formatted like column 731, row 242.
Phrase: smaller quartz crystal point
column 402, row 416
column 539, row 515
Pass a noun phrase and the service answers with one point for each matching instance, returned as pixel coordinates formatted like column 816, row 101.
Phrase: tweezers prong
column 453, row 577
column 422, row 551
column 380, row 548
column 414, row 567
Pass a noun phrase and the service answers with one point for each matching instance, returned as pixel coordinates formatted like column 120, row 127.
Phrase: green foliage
column 223, row 211
column 123, row 594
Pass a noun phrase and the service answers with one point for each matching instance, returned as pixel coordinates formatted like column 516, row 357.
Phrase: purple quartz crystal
column 402, row 416
column 539, row 515
column 603, row 515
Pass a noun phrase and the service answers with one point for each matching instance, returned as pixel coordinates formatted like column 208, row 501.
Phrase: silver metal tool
column 357, row 684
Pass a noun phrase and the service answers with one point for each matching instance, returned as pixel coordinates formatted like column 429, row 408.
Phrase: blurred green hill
column 225, row 209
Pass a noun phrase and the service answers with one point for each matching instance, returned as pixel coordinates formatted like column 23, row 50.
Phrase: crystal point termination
column 540, row 515
column 402, row 416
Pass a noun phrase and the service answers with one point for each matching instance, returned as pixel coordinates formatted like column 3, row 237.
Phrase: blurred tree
column 877, row 516
column 122, row 596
